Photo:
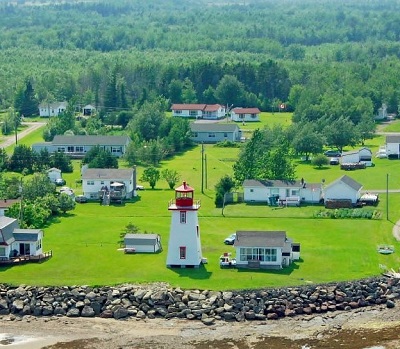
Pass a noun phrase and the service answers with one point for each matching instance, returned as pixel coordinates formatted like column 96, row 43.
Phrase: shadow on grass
column 199, row 273
column 284, row 271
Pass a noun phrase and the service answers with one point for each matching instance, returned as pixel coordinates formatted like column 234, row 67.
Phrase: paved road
column 10, row 140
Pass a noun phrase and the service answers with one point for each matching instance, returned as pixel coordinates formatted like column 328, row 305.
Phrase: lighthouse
column 184, row 246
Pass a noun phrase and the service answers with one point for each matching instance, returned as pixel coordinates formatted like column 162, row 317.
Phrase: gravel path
column 32, row 126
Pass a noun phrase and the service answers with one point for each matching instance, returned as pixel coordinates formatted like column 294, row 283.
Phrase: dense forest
column 324, row 59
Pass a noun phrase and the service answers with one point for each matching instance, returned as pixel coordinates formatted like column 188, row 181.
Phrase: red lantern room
column 184, row 196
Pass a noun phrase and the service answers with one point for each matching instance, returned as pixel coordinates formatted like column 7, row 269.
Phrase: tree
column 366, row 128
column 97, row 157
column 25, row 102
column 171, row 176
column 308, row 141
column 341, row 133
column 225, row 185
column 22, row 159
column 37, row 186
column 150, row 175
column 319, row 160
column 280, row 165
column 61, row 161
column 230, row 91
column 67, row 203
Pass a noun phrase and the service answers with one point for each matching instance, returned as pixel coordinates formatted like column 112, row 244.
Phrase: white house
column 393, row 146
column 120, row 183
column 88, row 110
column 265, row 249
column 199, row 111
column 287, row 192
column 143, row 242
column 382, row 113
column 215, row 132
column 18, row 242
column 245, row 114
column 54, row 174
column 344, row 188
column 363, row 155
column 52, row 109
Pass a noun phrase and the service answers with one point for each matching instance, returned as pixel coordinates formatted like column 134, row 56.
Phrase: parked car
column 381, row 154
column 334, row 161
column 230, row 240
column 333, row 153
column 81, row 199
column 59, row 182
column 139, row 187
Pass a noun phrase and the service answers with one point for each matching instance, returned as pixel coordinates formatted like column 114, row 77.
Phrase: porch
column 21, row 259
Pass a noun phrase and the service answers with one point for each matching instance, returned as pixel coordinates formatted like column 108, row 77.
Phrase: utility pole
column 202, row 168
column 387, row 196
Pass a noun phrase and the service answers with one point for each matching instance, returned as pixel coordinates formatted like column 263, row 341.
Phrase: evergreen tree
column 25, row 102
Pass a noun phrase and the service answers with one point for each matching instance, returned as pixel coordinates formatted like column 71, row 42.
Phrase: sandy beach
column 376, row 327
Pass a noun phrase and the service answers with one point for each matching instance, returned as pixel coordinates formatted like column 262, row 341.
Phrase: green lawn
column 85, row 243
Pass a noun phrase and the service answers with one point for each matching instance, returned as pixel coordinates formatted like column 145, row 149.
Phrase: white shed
column 363, row 155
column 393, row 146
column 143, row 242
column 54, row 174
column 344, row 188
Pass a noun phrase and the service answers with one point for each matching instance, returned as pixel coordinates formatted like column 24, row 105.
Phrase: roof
column 8, row 202
column 53, row 105
column 260, row 239
column 273, row 183
column 141, row 239
column 27, row 234
column 356, row 151
column 7, row 226
column 213, row 127
column 90, row 140
column 395, row 138
column 246, row 110
column 184, row 188
column 188, row 106
column 108, row 173
column 348, row 181
column 212, row 107
column 53, row 169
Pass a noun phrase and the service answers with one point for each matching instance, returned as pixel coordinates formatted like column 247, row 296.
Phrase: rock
column 87, row 311
column 73, row 312
column 120, row 313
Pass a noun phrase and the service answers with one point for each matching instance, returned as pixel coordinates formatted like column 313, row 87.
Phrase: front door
column 24, row 249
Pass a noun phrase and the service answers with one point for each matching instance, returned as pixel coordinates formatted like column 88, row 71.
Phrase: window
column 79, row 149
column 116, row 149
column 258, row 254
column 193, row 113
column 183, row 216
column 61, row 149
column 178, row 111
column 38, row 244
column 211, row 134
column 253, row 116
column 274, row 191
column 90, row 182
column 225, row 134
column 101, row 182
column 295, row 192
column 251, row 190
column 2, row 251
column 195, row 134
column 182, row 252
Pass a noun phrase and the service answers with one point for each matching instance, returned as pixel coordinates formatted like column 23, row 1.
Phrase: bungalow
column 393, row 146
column 78, row 146
column 88, row 110
column 265, row 249
column 18, row 242
column 363, row 155
column 343, row 189
column 214, row 133
column 52, row 109
column 108, row 183
column 245, row 114
column 286, row 192
column 142, row 243
column 199, row 111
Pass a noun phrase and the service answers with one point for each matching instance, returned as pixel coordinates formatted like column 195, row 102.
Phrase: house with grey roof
column 363, row 156
column 77, row 146
column 47, row 109
column 265, row 249
column 199, row 111
column 18, row 242
column 344, row 188
column 142, row 243
column 282, row 192
column 245, row 114
column 108, row 183
column 393, row 146
column 215, row 132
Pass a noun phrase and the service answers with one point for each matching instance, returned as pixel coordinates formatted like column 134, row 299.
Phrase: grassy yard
column 85, row 243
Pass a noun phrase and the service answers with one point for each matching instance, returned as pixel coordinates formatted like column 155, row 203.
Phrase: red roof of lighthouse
column 184, row 187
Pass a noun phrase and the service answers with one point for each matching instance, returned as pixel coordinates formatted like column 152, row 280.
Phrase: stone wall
column 160, row 300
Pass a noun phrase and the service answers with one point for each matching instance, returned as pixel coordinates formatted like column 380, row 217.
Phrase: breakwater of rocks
column 163, row 301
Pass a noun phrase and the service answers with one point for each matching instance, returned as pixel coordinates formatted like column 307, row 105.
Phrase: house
column 214, row 133
column 77, row 146
column 363, row 155
column 142, row 242
column 245, row 114
column 5, row 204
column 393, row 146
column 344, row 189
column 52, row 109
column 18, row 242
column 199, row 111
column 88, row 110
column 382, row 113
column 54, row 174
column 117, row 184
column 274, row 192
column 265, row 249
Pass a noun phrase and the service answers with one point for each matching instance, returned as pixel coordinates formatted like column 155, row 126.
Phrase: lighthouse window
column 182, row 252
column 183, row 216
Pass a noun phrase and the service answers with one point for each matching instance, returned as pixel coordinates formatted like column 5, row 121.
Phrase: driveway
column 31, row 126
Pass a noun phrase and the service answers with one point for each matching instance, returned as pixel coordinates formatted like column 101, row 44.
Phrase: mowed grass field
column 85, row 242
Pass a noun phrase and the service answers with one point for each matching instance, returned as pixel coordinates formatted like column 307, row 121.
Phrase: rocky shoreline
column 162, row 301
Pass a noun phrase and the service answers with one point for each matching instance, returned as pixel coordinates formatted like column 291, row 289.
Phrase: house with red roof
column 245, row 114
column 199, row 111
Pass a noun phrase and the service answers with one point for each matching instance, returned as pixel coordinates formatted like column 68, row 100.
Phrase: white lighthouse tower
column 184, row 246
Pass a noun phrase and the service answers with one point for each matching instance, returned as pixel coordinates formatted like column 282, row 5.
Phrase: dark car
column 333, row 153
column 81, row 199
column 60, row 181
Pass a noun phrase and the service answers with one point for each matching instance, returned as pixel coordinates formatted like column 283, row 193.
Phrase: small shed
column 54, row 174
column 344, row 188
column 143, row 242
column 363, row 155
